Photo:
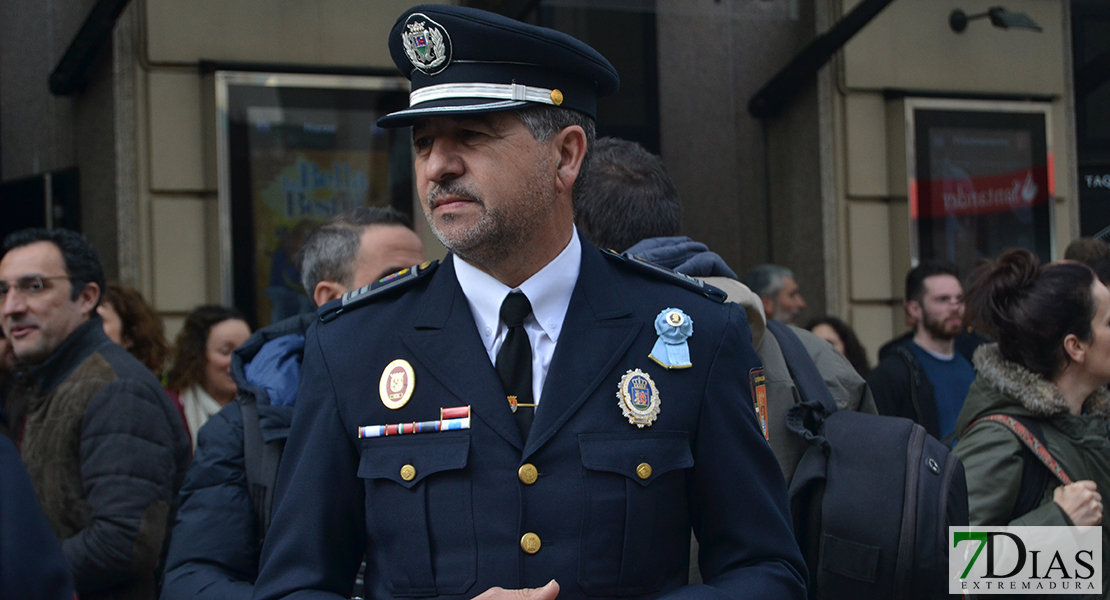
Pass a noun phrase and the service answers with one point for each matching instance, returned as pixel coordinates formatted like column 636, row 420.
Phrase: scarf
column 199, row 406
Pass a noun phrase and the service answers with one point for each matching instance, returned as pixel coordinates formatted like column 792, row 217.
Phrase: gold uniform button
column 643, row 471
column 530, row 543
column 408, row 472
column 527, row 474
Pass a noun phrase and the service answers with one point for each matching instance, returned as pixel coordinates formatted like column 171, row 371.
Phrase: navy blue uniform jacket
column 454, row 529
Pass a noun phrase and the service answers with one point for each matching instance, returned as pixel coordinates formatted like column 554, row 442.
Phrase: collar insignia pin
column 671, row 350
column 638, row 398
column 396, row 384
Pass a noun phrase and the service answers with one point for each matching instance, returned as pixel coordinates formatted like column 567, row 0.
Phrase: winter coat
column 106, row 454
column 215, row 549
column 993, row 456
column 32, row 566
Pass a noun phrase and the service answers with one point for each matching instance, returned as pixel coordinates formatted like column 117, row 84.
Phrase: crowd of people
column 449, row 428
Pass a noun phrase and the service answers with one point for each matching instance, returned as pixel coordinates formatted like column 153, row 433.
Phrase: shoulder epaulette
column 382, row 288
column 664, row 274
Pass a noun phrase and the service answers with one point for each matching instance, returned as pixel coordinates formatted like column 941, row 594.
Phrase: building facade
column 822, row 186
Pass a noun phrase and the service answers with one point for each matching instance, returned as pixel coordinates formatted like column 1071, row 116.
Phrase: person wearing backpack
column 1044, row 380
column 926, row 378
column 228, row 490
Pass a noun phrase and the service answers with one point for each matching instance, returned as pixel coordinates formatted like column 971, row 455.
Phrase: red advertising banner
column 987, row 194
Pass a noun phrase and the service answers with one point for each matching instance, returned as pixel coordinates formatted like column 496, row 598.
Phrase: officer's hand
column 547, row 592
column 1081, row 501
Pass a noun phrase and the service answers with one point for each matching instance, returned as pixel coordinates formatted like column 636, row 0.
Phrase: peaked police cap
column 464, row 61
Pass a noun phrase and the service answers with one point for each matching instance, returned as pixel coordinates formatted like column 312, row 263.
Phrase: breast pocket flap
column 642, row 457
column 407, row 461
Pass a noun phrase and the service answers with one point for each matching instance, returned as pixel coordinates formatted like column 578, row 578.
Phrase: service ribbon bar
column 451, row 419
column 458, row 412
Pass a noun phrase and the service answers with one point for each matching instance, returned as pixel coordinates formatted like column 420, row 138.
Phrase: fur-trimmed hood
column 1029, row 390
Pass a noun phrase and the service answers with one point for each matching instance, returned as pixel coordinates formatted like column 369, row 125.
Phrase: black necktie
column 514, row 360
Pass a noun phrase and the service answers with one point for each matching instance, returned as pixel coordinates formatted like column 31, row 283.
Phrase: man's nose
column 12, row 303
column 443, row 161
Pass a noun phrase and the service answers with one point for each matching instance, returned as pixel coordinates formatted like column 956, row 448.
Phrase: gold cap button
column 530, row 543
column 527, row 473
column 408, row 472
column 556, row 97
column 643, row 471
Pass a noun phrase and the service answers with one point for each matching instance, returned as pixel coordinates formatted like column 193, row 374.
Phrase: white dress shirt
column 548, row 291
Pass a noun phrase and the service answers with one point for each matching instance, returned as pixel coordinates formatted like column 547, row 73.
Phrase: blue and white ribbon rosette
column 671, row 350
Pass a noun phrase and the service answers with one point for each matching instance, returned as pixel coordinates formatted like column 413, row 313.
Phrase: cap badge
column 396, row 384
column 426, row 44
column 671, row 350
column 638, row 398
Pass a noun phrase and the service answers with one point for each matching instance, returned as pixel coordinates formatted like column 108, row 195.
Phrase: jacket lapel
column 597, row 331
column 445, row 341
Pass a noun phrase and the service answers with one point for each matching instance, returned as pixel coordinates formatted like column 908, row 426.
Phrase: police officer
column 532, row 412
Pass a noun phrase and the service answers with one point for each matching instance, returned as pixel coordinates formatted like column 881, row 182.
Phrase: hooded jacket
column 993, row 456
column 215, row 549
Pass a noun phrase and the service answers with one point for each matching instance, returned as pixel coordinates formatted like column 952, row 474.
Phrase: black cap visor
column 448, row 107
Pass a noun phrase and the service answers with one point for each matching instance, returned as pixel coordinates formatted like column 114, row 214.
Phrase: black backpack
column 872, row 497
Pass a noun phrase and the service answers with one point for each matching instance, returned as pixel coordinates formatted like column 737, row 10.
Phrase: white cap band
column 496, row 91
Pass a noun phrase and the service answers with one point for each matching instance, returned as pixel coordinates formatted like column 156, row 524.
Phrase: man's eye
column 421, row 143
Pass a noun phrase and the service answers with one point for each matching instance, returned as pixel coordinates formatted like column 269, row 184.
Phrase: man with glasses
column 925, row 379
column 105, row 449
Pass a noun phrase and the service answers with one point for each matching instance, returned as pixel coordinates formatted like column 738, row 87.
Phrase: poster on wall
column 980, row 180
column 297, row 150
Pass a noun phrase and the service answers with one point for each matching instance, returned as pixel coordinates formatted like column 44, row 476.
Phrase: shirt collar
column 549, row 291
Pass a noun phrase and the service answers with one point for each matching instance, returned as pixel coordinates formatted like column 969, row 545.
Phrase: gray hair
column 330, row 252
column 767, row 280
column 543, row 122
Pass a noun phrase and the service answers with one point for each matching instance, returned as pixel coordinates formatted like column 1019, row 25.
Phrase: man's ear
column 326, row 291
column 768, row 306
column 86, row 299
column 913, row 309
column 570, row 143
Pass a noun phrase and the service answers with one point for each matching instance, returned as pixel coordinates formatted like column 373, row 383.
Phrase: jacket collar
column 1036, row 394
column 82, row 343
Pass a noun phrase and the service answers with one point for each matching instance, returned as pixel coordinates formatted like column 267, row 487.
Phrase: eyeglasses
column 28, row 286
